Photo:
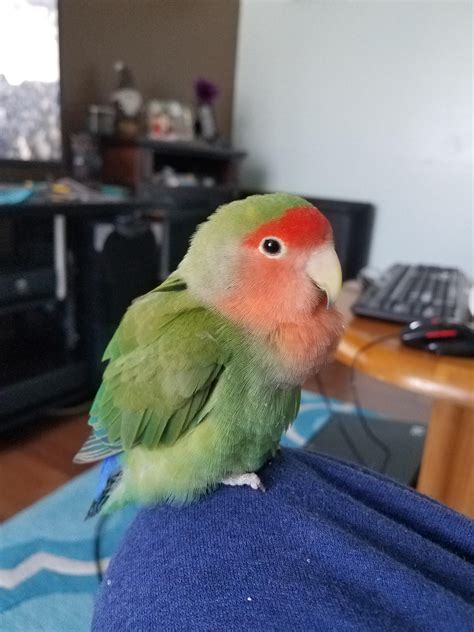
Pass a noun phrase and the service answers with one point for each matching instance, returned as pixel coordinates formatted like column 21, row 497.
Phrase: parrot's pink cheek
column 268, row 292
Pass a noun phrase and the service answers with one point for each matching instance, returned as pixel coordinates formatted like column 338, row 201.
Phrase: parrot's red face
column 284, row 270
column 286, row 276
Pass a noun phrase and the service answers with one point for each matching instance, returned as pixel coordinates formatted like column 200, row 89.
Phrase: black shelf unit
column 35, row 375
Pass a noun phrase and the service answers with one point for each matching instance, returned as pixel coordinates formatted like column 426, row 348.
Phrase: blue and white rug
column 47, row 568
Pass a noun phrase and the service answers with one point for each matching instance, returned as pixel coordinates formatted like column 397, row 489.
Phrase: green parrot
column 204, row 373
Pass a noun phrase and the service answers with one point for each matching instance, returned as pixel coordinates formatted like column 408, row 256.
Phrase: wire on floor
column 97, row 538
column 342, row 429
column 387, row 453
column 359, row 410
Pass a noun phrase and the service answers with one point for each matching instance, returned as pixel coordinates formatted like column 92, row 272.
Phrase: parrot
column 205, row 372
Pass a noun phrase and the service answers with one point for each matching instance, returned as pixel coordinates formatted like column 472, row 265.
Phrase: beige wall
column 167, row 43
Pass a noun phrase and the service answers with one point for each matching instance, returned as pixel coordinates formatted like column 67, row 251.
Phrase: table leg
column 447, row 468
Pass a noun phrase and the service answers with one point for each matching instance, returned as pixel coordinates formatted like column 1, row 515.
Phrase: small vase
column 206, row 122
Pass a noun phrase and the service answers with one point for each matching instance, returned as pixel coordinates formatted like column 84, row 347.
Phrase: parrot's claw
column 252, row 480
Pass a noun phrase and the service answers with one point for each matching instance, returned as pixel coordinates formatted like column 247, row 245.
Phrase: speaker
column 120, row 260
column 352, row 224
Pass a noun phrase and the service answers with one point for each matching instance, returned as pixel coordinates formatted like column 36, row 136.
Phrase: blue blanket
column 329, row 546
column 48, row 575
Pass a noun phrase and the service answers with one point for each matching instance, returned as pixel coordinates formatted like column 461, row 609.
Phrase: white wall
column 364, row 101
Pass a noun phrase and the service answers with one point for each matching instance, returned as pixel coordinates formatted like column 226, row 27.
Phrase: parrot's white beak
column 324, row 269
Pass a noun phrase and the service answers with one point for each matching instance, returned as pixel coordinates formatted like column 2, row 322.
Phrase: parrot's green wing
column 164, row 363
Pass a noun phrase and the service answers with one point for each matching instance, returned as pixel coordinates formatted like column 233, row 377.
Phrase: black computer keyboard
column 405, row 293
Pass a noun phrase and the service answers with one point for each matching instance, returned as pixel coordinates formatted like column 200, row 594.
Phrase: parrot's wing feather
column 165, row 361
column 154, row 394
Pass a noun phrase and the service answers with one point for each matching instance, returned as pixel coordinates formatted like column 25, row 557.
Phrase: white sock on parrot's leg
column 250, row 479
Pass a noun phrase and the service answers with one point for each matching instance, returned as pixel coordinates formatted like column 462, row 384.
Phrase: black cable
column 347, row 438
column 97, row 537
column 360, row 413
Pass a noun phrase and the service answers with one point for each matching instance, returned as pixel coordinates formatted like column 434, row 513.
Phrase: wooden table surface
column 447, row 469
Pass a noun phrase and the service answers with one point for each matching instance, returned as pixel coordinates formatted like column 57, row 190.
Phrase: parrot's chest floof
column 300, row 348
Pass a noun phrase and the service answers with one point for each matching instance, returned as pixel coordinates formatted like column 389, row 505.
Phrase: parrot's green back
column 187, row 395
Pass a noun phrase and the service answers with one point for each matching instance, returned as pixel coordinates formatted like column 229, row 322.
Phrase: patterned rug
column 48, row 576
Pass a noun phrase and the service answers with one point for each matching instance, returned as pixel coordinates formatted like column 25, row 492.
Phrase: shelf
column 16, row 307
column 188, row 149
column 47, row 208
column 187, row 198
column 55, row 377
column 22, row 285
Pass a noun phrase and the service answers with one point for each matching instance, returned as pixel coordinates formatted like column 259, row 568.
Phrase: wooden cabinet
column 141, row 164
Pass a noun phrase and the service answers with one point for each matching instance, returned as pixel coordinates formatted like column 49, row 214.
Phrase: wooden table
column 447, row 468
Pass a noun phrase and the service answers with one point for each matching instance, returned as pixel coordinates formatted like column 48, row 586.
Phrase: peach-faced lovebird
column 205, row 371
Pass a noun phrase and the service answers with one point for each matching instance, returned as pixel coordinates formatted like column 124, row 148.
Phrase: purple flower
column 206, row 91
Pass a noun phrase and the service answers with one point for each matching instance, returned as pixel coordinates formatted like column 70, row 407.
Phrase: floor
column 36, row 462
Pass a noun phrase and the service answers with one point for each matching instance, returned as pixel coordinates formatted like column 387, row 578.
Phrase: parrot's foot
column 251, row 480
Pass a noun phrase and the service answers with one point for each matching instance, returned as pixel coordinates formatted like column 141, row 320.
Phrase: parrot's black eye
column 272, row 247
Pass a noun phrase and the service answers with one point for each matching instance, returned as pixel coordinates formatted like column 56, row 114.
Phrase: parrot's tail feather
column 109, row 478
column 98, row 503
column 96, row 449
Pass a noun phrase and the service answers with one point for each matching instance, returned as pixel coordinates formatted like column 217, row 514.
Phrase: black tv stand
column 44, row 361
